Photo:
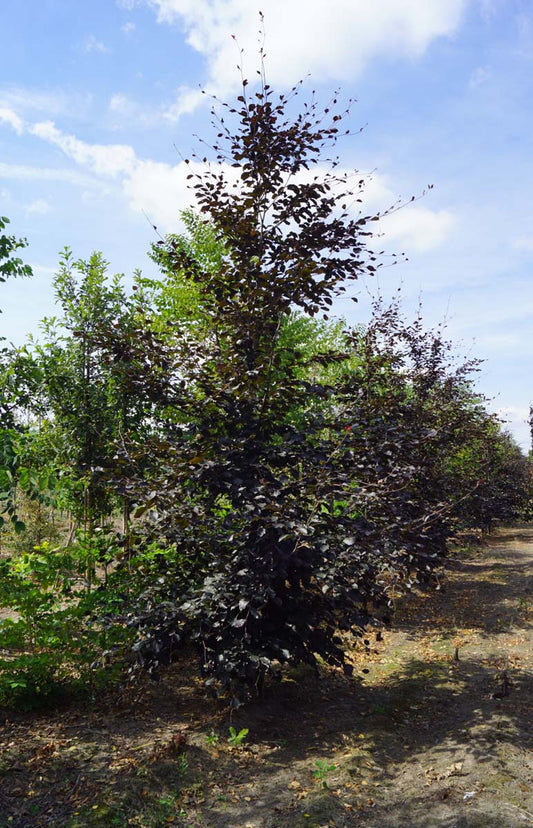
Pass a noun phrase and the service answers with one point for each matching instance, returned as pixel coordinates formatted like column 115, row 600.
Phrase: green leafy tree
column 495, row 476
column 11, row 266
column 174, row 296
column 91, row 408
column 13, row 391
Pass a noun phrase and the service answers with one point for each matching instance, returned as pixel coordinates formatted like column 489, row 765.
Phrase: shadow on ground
column 404, row 746
column 424, row 710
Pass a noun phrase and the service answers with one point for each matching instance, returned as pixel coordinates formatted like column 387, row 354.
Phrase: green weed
column 212, row 739
column 235, row 739
column 323, row 769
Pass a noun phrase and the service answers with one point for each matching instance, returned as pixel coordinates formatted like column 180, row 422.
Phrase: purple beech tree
column 298, row 484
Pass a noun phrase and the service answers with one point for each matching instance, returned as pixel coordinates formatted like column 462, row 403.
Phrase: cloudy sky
column 100, row 103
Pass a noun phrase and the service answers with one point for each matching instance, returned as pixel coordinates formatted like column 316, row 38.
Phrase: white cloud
column 419, row 229
column 524, row 25
column 53, row 103
column 333, row 41
column 161, row 190
column 107, row 160
column 24, row 172
column 92, row 44
column 156, row 188
column 187, row 100
column 122, row 105
column 128, row 27
column 7, row 116
column 516, row 413
column 126, row 112
column 43, row 270
column 39, row 207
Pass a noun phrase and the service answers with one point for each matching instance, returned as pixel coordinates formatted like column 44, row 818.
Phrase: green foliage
column 13, row 394
column 41, row 524
column 322, row 771
column 93, row 409
column 177, row 298
column 20, row 380
column 495, row 477
column 18, row 476
column 47, row 642
column 212, row 739
column 11, row 266
column 235, row 739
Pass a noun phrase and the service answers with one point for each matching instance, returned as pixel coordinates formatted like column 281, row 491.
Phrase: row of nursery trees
column 207, row 459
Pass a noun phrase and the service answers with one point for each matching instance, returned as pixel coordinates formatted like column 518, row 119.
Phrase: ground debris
column 440, row 732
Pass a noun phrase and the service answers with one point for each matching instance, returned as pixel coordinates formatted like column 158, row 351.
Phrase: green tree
column 92, row 410
column 14, row 377
column 12, row 366
column 495, row 476
column 174, row 296
column 11, row 266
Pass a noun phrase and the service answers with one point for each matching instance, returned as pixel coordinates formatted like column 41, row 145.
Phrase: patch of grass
column 143, row 810
column 98, row 815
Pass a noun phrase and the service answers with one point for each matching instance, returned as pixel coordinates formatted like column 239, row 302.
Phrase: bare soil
column 437, row 734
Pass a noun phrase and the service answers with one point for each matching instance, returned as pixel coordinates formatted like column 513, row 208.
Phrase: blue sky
column 100, row 102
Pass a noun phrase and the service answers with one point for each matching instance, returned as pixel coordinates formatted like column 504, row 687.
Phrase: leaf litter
column 426, row 738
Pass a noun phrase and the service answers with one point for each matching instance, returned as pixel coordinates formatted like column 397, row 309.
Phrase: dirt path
column 438, row 734
column 426, row 740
